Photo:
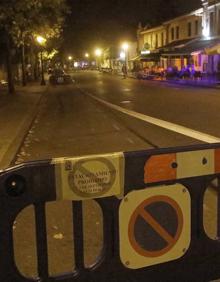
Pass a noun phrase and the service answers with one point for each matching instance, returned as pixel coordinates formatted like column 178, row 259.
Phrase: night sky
column 106, row 22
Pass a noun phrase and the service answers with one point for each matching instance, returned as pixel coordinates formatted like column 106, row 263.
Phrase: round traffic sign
column 155, row 226
column 92, row 177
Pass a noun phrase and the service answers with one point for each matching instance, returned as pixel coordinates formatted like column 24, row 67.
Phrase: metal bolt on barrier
column 204, row 161
column 174, row 165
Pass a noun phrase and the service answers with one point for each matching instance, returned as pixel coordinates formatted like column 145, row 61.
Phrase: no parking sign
column 154, row 225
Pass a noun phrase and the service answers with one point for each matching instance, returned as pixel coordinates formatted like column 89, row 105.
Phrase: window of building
column 156, row 41
column 196, row 27
column 162, row 39
column 211, row 23
column 177, row 32
column 172, row 33
column 189, row 25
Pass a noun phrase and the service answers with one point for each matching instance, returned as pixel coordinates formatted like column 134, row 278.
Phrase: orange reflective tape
column 160, row 168
column 217, row 160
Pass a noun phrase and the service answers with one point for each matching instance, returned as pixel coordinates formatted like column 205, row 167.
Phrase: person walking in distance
column 124, row 71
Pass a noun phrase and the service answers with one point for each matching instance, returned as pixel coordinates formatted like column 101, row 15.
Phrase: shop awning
column 194, row 46
column 134, row 59
column 152, row 57
column 175, row 44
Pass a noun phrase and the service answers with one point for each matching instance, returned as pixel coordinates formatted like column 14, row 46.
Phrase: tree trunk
column 24, row 79
column 32, row 62
column 36, row 66
column 11, row 88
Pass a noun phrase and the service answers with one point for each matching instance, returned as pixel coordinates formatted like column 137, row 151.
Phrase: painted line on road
column 116, row 127
column 162, row 123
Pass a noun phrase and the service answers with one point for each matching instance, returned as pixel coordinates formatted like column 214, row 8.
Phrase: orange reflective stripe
column 160, row 168
column 217, row 160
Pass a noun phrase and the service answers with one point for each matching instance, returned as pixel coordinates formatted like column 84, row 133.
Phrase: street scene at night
column 110, row 141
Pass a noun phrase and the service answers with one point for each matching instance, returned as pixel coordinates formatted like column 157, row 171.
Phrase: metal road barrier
column 152, row 205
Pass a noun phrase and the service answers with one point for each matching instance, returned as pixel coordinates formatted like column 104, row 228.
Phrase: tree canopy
column 21, row 21
column 24, row 18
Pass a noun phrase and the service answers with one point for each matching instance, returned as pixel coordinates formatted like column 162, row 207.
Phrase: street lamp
column 122, row 55
column 70, row 58
column 86, row 55
column 98, row 53
column 125, row 47
column 41, row 41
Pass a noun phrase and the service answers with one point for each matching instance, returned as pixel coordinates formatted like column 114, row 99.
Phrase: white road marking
column 116, row 127
column 126, row 89
column 162, row 123
column 130, row 140
column 125, row 102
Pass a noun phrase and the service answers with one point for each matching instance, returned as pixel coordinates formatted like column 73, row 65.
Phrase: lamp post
column 125, row 47
column 98, row 53
column 87, row 59
column 41, row 41
column 70, row 58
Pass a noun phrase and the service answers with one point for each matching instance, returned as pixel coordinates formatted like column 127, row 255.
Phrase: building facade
column 191, row 40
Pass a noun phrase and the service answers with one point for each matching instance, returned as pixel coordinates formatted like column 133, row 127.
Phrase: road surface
column 100, row 113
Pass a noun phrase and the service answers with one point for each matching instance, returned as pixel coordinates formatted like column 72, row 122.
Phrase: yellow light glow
column 125, row 46
column 86, row 55
column 122, row 55
column 41, row 40
column 98, row 52
column 70, row 58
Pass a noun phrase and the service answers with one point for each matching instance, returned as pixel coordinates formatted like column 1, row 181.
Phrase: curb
column 178, row 82
column 213, row 86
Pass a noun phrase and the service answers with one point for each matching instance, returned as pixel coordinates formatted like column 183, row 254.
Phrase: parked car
column 58, row 76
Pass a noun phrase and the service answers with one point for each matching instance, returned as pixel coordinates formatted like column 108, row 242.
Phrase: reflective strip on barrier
column 173, row 166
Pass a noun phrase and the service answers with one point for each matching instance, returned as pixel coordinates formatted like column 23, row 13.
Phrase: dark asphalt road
column 71, row 123
column 196, row 108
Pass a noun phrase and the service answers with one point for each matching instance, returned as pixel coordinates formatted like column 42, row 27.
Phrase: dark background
column 102, row 23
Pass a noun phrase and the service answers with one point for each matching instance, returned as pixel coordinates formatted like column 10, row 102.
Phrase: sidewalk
column 187, row 82
column 16, row 115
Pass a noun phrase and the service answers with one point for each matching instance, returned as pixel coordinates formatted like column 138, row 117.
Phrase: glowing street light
column 122, row 55
column 125, row 46
column 98, row 52
column 41, row 41
column 70, row 58
column 86, row 55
